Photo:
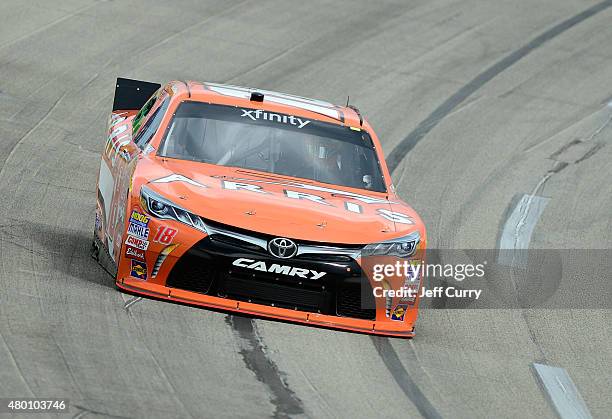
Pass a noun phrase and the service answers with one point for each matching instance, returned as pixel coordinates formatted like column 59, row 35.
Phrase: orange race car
column 256, row 202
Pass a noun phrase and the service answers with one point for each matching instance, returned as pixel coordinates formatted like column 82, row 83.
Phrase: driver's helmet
column 328, row 153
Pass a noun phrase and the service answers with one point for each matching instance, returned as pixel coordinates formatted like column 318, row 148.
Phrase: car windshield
column 272, row 142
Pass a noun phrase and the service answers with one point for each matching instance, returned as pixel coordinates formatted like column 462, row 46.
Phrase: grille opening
column 349, row 302
column 222, row 238
column 207, row 269
column 274, row 294
column 191, row 273
column 324, row 257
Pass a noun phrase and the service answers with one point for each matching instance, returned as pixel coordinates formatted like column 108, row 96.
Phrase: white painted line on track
column 562, row 392
column 519, row 227
column 129, row 300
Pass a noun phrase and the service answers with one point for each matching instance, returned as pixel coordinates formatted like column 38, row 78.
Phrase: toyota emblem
column 282, row 248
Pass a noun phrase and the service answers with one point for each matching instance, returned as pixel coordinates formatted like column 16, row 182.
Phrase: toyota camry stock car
column 255, row 202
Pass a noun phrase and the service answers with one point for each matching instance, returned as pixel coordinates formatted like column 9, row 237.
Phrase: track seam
column 448, row 106
column 30, row 131
column 16, row 364
column 403, row 379
column 47, row 26
column 162, row 373
column 256, row 359
column 85, row 411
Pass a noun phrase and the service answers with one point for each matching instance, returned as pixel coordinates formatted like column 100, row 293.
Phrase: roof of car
column 344, row 115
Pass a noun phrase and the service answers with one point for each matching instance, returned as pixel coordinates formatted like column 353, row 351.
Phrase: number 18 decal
column 165, row 234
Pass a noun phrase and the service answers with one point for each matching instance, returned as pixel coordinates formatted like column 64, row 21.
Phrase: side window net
column 151, row 126
column 142, row 113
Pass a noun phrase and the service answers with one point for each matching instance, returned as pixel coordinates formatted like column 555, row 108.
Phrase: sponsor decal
column 251, row 185
column 134, row 253
column 282, row 248
column 337, row 192
column 310, row 197
column 235, row 186
column 255, row 114
column 349, row 206
column 178, row 178
column 278, row 269
column 137, row 242
column 412, row 283
column 139, row 269
column 115, row 145
column 353, row 207
column 138, row 218
column 98, row 221
column 396, row 217
column 315, row 105
column 399, row 312
column 138, row 230
column 165, row 235
column 410, row 294
column 116, row 118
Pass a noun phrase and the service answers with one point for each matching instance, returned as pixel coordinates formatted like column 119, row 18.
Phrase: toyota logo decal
column 282, row 248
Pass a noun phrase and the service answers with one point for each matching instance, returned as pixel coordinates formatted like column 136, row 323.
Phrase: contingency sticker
column 399, row 312
column 139, row 219
column 137, row 242
column 138, row 230
column 139, row 269
column 134, row 253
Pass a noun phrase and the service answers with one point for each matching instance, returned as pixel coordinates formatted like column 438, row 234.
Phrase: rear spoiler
column 132, row 94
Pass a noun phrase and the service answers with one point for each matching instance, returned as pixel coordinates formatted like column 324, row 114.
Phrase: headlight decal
column 402, row 247
column 163, row 208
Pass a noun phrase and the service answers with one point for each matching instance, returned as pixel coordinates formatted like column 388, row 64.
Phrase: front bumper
column 206, row 275
column 385, row 328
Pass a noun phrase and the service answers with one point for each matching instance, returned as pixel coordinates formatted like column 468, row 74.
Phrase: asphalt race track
column 477, row 104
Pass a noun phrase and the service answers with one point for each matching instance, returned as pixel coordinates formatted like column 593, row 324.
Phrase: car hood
column 278, row 205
